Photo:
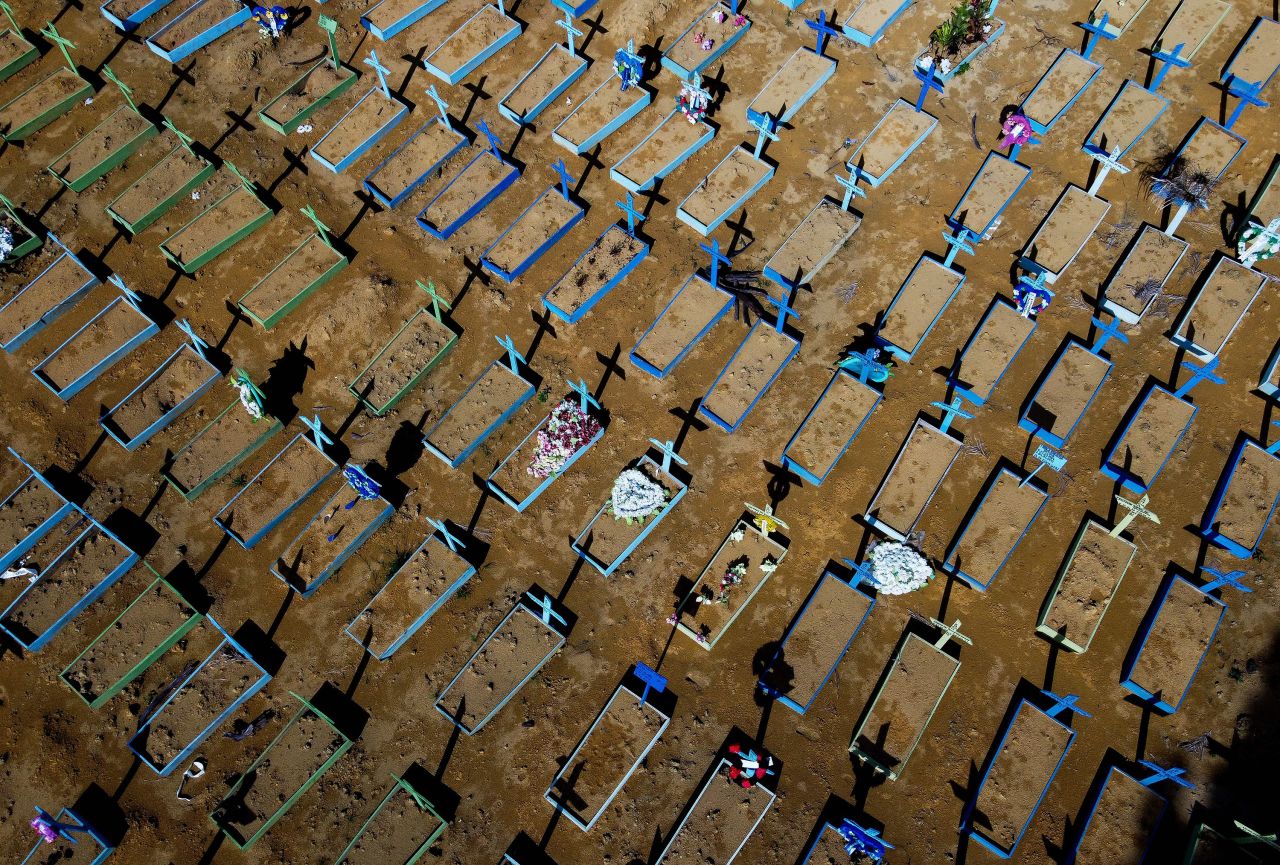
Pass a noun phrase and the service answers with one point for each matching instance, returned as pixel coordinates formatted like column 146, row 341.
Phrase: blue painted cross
column 1030, row 288
column 1167, row 59
column 436, row 300
column 929, row 80
column 1248, row 94
column 1220, row 580
column 1045, row 456
column 860, row 841
column 950, row 411
column 1067, row 703
column 495, row 143
column 1106, row 332
column 717, row 258
column 821, row 30
column 1199, row 374
column 668, row 451
column 1108, row 162
column 442, row 107
column 784, row 309
column 585, row 399
column 1016, row 149
column 372, row 60
column 866, row 365
column 543, row 606
column 633, row 216
column 1274, row 449
column 1096, row 30
column 317, row 431
column 958, row 242
column 1160, row 773
column 52, row 827
column 196, row 341
column 652, row 681
column 132, row 297
column 569, row 30
column 442, row 528
column 860, row 573
column 766, row 126
column 565, row 177
column 514, row 357
column 850, row 185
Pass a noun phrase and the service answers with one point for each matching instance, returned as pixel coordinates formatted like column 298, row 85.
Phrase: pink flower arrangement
column 1017, row 130
column 567, row 430
column 720, row 16
column 739, row 20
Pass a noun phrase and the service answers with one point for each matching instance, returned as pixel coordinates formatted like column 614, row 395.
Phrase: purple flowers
column 567, row 430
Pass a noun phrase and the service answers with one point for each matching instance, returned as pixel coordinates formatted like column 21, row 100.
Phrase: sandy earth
column 53, row 749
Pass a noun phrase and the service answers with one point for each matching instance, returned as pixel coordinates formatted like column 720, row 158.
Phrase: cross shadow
column 478, row 92
column 776, row 677
column 739, row 228
column 475, row 273
column 781, row 482
column 611, row 368
column 180, row 76
column 689, row 421
column 238, row 121
column 592, row 161
column 282, row 612
column 543, row 321
column 294, row 162
column 363, row 666
column 415, row 63
column 236, row 317
column 367, row 204
column 285, row 381
column 593, row 27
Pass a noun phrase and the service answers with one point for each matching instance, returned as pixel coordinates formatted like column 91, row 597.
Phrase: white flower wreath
column 898, row 569
column 636, row 496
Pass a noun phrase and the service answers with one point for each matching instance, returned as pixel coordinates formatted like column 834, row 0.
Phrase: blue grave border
column 131, row 444
column 1144, row 632
column 301, row 438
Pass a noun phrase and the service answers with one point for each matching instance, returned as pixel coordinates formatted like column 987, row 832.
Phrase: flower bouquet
column 628, row 67
column 567, row 430
column 1016, row 130
column 969, row 24
column 693, row 103
column 6, row 242
column 636, row 497
column 898, row 569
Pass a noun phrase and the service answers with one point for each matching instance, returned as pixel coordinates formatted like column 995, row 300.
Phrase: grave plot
column 426, row 151
column 416, row 349
column 367, row 122
column 835, row 420
column 1066, row 79
column 1236, row 844
column 1068, row 387
column 895, row 136
column 188, row 709
column 199, row 24
column 287, row 480
column 642, row 496
column 745, row 561
column 476, row 178
column 903, row 703
column 796, row 82
column 667, row 146
column 991, row 350
column 1190, row 27
column 297, row 276
column 1142, row 273
column 411, row 596
column 1257, row 58
column 163, row 185
column 1172, row 643
column 544, row 83
column 107, row 145
column 62, row 283
column 992, row 189
column 28, row 512
column 387, row 18
column 539, row 227
column 836, row 843
column 16, row 53
column 749, row 373
column 1087, row 582
column 916, row 308
column 1119, row 14
column 917, row 471
column 1019, row 769
column 229, row 439
column 322, row 83
column 870, row 19
column 730, row 185
column 332, row 536
column 958, row 56
column 152, row 623
column 74, row 836
column 305, row 748
column 1121, row 824
column 1147, row 437
column 690, row 53
column 217, row 228
column 65, row 586
column 486, row 404
column 1227, row 290
column 816, row 640
column 549, row 450
column 1128, row 117
column 718, row 822
column 168, row 391
column 480, row 37
column 600, row 268
column 1210, row 147
column 602, row 112
column 1063, row 233
column 42, row 103
column 686, row 319
column 521, row 645
column 128, row 15
column 610, row 751
column 987, row 539
column 114, row 331
column 399, row 831
column 812, row 243
column 23, row 240
column 1244, row 500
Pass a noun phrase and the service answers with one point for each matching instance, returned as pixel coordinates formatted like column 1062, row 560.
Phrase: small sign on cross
column 330, row 27
column 947, row 633
column 1133, row 510
column 668, row 451
column 653, row 683
column 764, row 519
column 1045, row 456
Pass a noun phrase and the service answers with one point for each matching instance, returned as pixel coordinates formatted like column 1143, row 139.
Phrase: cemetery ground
column 55, row 749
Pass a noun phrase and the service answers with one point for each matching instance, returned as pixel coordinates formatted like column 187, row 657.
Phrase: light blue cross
column 1248, row 94
column 585, row 399
column 442, row 529
column 958, row 242
column 668, row 451
column 717, row 258
column 1160, row 773
column 950, row 411
column 1199, row 374
column 1230, row 579
column 514, row 357
column 850, row 185
column 629, row 208
column 821, row 30
column 1045, row 456
column 569, row 30
column 864, row 364
column 317, row 431
column 543, row 607
column 565, row 177
column 134, row 299
column 442, row 107
column 1106, row 332
column 196, row 341
column 929, row 80
column 1167, row 59
column 1063, row 704
column 372, row 60
column 1096, row 31
column 766, row 125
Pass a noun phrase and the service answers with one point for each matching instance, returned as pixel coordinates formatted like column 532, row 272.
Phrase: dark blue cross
column 1221, row 581
column 1274, row 449
column 451, row 540
column 629, row 208
column 668, row 451
column 1096, row 30
column 544, row 609
column 861, row 573
column 1247, row 92
column 821, row 30
column 565, row 178
column 950, row 411
column 862, row 841
column 199, row 344
column 784, row 309
column 1160, row 773
column 929, row 80
column 495, row 143
column 652, row 681
column 1199, row 374
column 1166, row 59
column 717, row 258
column 1063, row 704
column 1106, row 332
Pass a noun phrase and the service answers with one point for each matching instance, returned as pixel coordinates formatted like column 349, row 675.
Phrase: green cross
column 330, row 26
column 321, row 229
column 436, row 300
column 8, row 13
column 51, row 33
column 183, row 138
column 244, row 181
column 124, row 88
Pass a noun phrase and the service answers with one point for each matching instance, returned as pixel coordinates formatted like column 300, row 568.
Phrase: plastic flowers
column 1256, row 243
column 6, row 242
column 636, row 496
column 567, row 431
column 1016, row 129
column 692, row 103
column 1031, row 300
column 732, row 576
column 249, row 399
column 628, row 67
column 898, row 569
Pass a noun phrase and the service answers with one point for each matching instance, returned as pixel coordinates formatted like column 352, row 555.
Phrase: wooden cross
column 317, row 431
column 861, row 573
column 929, row 80
column 1108, row 161
column 494, row 143
column 784, row 309
column 694, row 88
column 629, row 208
column 950, row 411
column 1248, row 94
column 322, row 230
column 200, row 345
column 649, row 676
column 766, row 125
column 1220, row 580
column 442, row 107
column 8, row 13
column 764, row 520
column 850, row 185
column 668, row 451
column 124, row 88
column 1096, row 31
column 442, row 528
column 565, row 178
column 1199, row 374
column 585, row 399
column 957, row 243
column 1062, row 704
column 1106, row 332
column 330, row 27
column 1167, row 59
column 543, row 607
column 244, row 181
column 6, row 203
column 569, row 30
column 51, row 33
column 183, row 138
column 514, row 357
column 1133, row 511
column 947, row 633
column 380, row 70
column 1159, row 773
column 717, row 258
column 821, row 30
column 436, row 300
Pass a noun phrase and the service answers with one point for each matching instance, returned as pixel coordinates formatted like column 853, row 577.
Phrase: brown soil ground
column 596, row 111
column 12, row 46
column 175, row 383
column 1119, row 13
column 197, row 701
column 1132, row 112
column 28, row 302
column 305, row 264
column 1068, row 75
column 171, row 172
column 823, row 232
column 870, row 15
column 813, row 646
column 672, row 135
column 902, row 127
column 1089, row 582
column 698, row 303
column 299, row 466
column 387, row 13
column 1221, row 302
column 1066, row 229
column 725, row 186
column 923, row 461
column 993, row 348
column 1191, row 24
column 993, row 185
column 29, row 105
column 319, row 81
column 122, row 127
column 408, row 594
column 464, row 185
column 1211, row 150
column 65, row 582
column 25, row 509
column 375, row 112
column 118, row 325
column 1258, row 57
column 719, row 823
column 1177, row 641
column 606, row 537
column 208, row 14
column 544, row 77
column 549, row 214
column 226, row 217
column 222, row 438
column 1123, row 821
column 1254, row 489
column 833, row 422
column 760, row 357
column 1067, row 390
column 1156, row 431
column 713, row 619
column 307, row 557
column 484, row 402
column 686, row 51
column 997, row 527
column 422, row 151
column 395, row 834
column 792, row 82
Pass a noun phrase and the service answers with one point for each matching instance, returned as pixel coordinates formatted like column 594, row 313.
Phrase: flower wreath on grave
column 636, row 496
column 1257, row 243
column 249, row 399
column 692, row 102
column 567, row 430
column 968, row 24
column 1031, row 300
column 898, row 569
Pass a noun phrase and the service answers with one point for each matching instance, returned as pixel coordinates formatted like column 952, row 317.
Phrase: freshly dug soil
column 1066, row 229
column 1069, row 74
column 64, row 583
column 312, row 553
column 175, row 382
column 403, row 358
column 1250, row 498
column 695, row 306
column 51, row 545
column 992, row 348
column 519, row 646
column 996, row 182
column 688, row 53
column 1122, row 824
column 821, row 235
column 1157, row 428
column 91, row 346
column 921, row 465
column 312, row 259
column 1191, row 25
column 918, row 303
column 721, row 820
column 371, row 113
column 281, row 486
column 495, row 392
column 1220, row 304
column 550, row 213
column 474, row 180
column 1211, row 149
column 48, row 92
column 216, row 225
column 1258, row 57
column 1089, row 581
column 606, row 258
column 383, row 15
column 918, row 678
column 725, row 187
column 201, row 15
column 713, row 619
column 868, row 17
column 605, row 538
column 319, row 81
column 816, row 642
column 428, row 147
column 599, row 109
column 43, row 296
column 902, row 127
column 997, row 527
column 622, row 737
column 1152, row 258
column 1019, row 773
column 397, row 831
column 478, row 33
column 412, row 590
column 834, row 420
column 1131, row 114
column 1068, row 389
column 199, row 700
column 657, row 152
column 791, row 83
column 548, row 73
column 26, row 508
column 174, row 171
column 1177, row 640
column 761, row 356
column 120, row 128
column 226, row 437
